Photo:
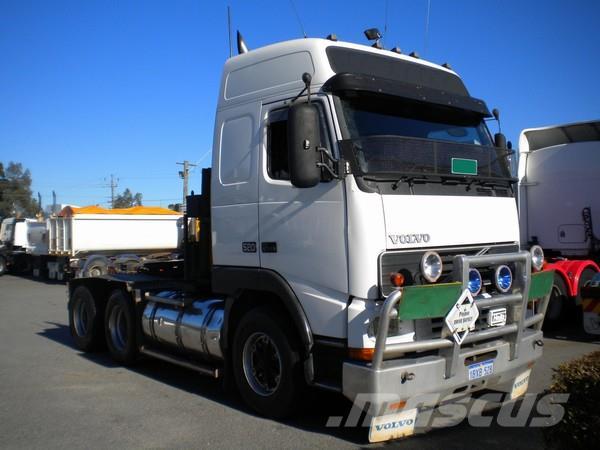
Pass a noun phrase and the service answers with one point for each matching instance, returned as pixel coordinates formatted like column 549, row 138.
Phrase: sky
column 91, row 88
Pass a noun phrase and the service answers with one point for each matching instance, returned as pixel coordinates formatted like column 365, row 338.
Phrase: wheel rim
column 117, row 326
column 95, row 271
column 262, row 364
column 82, row 316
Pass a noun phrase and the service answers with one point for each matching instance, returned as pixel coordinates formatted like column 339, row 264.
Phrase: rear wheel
column 85, row 320
column 119, row 328
column 556, row 304
column 266, row 365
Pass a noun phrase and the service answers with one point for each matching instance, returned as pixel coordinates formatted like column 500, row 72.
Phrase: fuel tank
column 193, row 326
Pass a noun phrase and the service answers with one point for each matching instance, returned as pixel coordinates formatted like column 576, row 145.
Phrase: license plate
column 481, row 369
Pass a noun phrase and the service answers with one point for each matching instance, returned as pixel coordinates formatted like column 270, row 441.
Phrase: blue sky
column 93, row 88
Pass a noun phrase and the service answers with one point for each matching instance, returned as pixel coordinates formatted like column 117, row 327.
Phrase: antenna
column 229, row 30
column 427, row 27
column 385, row 21
column 298, row 18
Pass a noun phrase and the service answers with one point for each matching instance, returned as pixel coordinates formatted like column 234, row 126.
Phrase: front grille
column 408, row 261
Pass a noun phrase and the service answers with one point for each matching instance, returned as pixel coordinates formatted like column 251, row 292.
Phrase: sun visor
column 348, row 83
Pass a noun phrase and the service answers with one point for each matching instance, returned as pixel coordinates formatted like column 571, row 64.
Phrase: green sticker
column 462, row 166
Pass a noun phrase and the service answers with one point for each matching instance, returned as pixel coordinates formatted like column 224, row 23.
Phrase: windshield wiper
column 411, row 180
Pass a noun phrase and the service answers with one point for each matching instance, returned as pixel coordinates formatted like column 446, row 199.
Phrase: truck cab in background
column 559, row 202
column 356, row 202
column 20, row 238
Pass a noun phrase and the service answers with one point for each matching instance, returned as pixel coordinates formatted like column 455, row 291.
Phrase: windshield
column 395, row 135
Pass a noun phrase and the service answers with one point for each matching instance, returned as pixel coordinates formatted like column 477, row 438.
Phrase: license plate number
column 481, row 369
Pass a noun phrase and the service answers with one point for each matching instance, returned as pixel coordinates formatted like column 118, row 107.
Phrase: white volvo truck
column 357, row 232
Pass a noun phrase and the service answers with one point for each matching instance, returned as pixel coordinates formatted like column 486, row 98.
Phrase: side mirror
column 500, row 140
column 303, row 140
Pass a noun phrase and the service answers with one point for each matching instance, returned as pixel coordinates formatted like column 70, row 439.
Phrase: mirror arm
column 335, row 162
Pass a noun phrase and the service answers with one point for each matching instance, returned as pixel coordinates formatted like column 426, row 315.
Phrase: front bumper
column 411, row 378
column 404, row 371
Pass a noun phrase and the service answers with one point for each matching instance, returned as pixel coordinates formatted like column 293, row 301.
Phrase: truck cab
column 362, row 235
column 19, row 239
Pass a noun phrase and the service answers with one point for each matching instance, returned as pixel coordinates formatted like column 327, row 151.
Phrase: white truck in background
column 20, row 240
column 87, row 241
column 357, row 232
column 559, row 203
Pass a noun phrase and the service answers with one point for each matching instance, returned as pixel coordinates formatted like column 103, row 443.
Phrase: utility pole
column 185, row 175
column 53, row 202
column 113, row 185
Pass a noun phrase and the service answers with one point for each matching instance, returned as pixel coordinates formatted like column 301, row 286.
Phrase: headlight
column 503, row 278
column 537, row 257
column 431, row 266
column 475, row 283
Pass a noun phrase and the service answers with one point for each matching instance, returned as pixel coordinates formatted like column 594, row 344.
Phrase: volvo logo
column 409, row 238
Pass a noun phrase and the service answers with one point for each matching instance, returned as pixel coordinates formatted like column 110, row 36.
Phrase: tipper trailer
column 559, row 202
column 357, row 232
column 89, row 241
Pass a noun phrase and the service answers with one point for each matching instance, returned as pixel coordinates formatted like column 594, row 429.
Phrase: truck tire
column 266, row 364
column 585, row 277
column 3, row 266
column 119, row 328
column 85, row 320
column 97, row 268
column 557, row 303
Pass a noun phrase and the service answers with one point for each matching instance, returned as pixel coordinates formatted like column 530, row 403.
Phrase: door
column 302, row 232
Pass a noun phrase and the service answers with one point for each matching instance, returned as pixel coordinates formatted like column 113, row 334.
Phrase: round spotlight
column 431, row 266
column 537, row 257
column 475, row 281
column 503, row 278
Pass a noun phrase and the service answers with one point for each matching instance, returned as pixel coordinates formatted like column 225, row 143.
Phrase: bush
column 580, row 427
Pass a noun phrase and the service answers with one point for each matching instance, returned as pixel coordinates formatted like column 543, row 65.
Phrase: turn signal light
column 397, row 279
column 361, row 354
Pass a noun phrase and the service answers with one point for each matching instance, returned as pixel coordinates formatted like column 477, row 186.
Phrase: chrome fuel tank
column 195, row 327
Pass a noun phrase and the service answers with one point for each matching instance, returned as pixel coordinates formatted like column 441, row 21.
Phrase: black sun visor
column 348, row 83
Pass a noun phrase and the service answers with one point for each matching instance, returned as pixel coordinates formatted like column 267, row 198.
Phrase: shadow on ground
column 312, row 415
column 318, row 407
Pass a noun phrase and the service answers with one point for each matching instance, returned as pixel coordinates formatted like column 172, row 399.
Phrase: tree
column 175, row 206
column 127, row 199
column 15, row 191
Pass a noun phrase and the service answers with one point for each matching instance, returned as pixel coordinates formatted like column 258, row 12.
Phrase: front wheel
column 266, row 365
column 119, row 328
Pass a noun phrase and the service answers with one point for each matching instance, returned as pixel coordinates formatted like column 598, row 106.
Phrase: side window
column 277, row 151
column 277, row 148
